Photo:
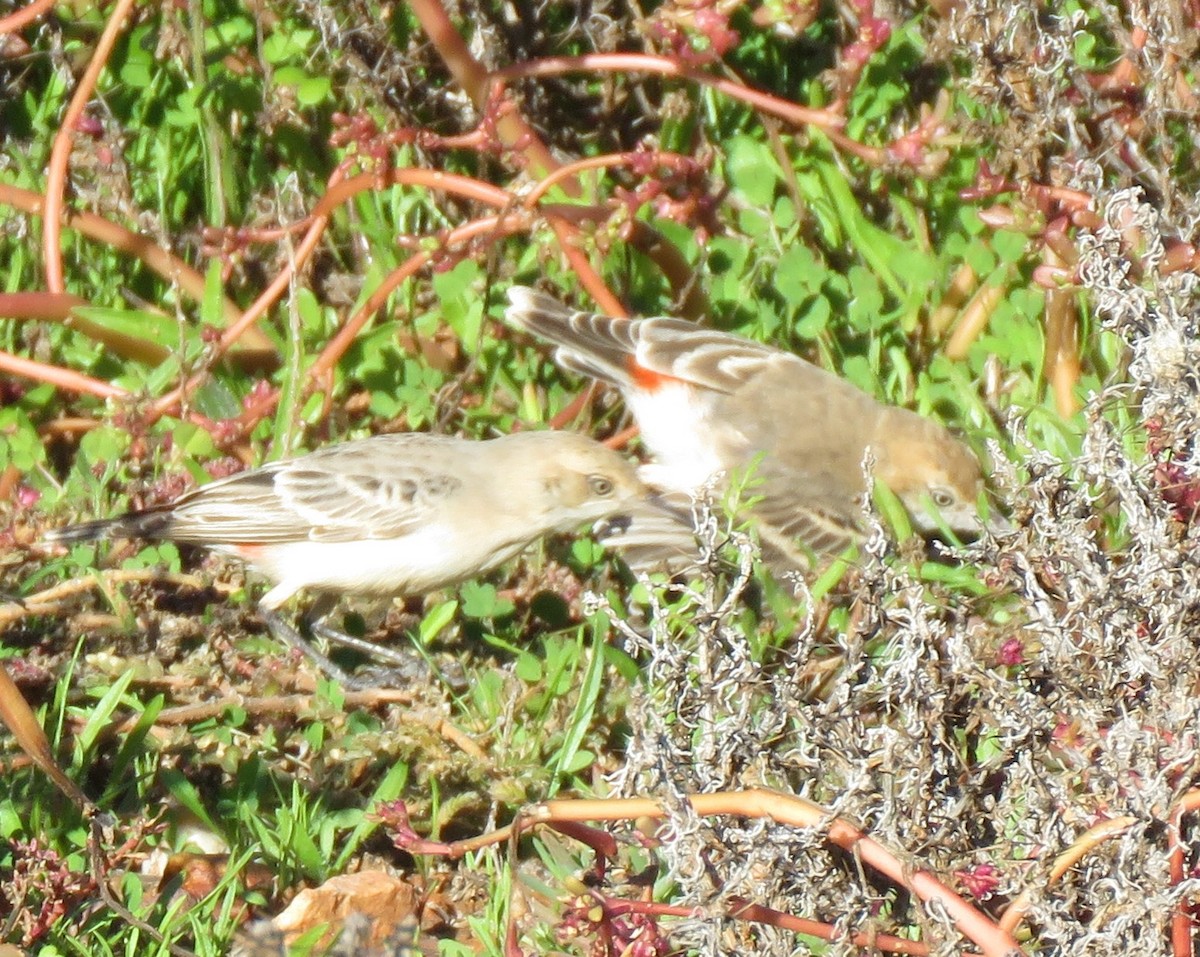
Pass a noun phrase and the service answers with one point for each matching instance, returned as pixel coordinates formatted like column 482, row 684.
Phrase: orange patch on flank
column 247, row 550
column 645, row 378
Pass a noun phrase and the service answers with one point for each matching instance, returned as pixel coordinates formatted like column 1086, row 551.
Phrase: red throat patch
column 647, row 379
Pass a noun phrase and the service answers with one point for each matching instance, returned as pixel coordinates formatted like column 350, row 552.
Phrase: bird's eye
column 600, row 485
column 942, row 498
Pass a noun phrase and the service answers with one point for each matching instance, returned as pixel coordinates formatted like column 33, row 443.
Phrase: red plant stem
column 575, row 407
column 607, row 161
column 1182, row 925
column 464, row 186
column 60, row 152
column 258, row 309
column 317, row 223
column 472, row 76
column 28, row 733
column 829, row 120
column 503, row 225
column 340, row 191
column 38, row 305
column 740, row 909
column 61, row 378
column 623, row 438
column 787, row 809
column 667, row 66
column 156, row 258
column 592, row 281
column 601, row 842
column 19, row 19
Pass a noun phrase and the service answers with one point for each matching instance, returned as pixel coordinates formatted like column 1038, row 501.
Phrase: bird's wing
column 708, row 358
column 388, row 500
column 803, row 537
column 343, row 493
column 792, row 536
column 803, row 516
column 650, row 538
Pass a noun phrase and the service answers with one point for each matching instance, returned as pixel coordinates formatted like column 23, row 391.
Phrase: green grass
column 839, row 260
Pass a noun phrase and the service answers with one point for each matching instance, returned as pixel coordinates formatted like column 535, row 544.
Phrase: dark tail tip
column 150, row 524
column 83, row 532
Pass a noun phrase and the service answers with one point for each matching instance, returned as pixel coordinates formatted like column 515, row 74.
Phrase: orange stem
column 61, row 378
column 787, row 809
column 20, row 19
column 155, row 258
column 498, row 225
column 60, row 152
column 666, row 66
column 472, row 76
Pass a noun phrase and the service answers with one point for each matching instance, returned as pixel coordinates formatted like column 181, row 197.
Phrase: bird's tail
column 588, row 343
column 152, row 524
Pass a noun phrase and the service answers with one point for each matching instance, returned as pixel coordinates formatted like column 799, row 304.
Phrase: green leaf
column 578, row 761
column 436, row 621
column 969, row 217
column 186, row 794
column 215, row 400
column 866, row 300
column 20, row 444
column 570, row 756
column 815, row 319
column 137, row 334
column 980, row 257
column 528, row 668
column 290, row 76
column 798, row 275
column 287, row 43
column 892, row 511
column 313, row 90
column 587, row 552
column 1010, row 246
column 752, row 170
column 480, row 600
column 102, row 712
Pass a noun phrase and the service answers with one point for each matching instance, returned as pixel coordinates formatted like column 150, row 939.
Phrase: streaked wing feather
column 339, row 505
column 706, row 357
column 587, row 342
column 798, row 535
column 648, row 540
column 322, row 497
column 241, row 508
column 599, row 345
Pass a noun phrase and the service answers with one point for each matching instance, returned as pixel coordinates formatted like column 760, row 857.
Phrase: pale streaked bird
column 709, row 402
column 391, row 515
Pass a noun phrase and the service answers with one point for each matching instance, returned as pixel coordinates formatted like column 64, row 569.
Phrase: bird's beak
column 997, row 524
column 992, row 519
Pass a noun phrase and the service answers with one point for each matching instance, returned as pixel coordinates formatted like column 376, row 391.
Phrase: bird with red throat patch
column 711, row 404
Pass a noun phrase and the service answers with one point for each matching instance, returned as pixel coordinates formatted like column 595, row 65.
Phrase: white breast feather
column 412, row 565
column 676, row 425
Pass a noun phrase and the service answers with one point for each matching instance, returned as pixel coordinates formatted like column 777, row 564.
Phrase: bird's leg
column 405, row 666
column 283, row 630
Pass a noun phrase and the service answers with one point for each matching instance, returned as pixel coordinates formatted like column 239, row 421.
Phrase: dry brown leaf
column 382, row 898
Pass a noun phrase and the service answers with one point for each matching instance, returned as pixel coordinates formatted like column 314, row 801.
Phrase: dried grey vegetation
column 925, row 736
column 1024, row 60
column 949, row 757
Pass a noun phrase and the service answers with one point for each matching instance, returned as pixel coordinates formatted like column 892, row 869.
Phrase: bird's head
column 580, row 480
column 931, row 472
